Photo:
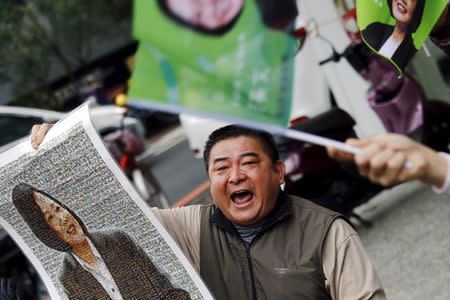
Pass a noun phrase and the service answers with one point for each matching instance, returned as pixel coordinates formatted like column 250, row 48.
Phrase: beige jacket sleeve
column 183, row 224
column 347, row 267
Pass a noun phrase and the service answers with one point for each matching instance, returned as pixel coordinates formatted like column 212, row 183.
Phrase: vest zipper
column 250, row 266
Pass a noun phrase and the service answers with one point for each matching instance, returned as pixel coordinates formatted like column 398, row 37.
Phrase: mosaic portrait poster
column 82, row 225
column 232, row 57
column 396, row 29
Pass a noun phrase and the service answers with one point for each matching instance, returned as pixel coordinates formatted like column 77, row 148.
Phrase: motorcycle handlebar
column 325, row 61
column 334, row 57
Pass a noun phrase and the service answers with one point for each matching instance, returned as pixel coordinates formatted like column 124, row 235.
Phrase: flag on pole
column 231, row 60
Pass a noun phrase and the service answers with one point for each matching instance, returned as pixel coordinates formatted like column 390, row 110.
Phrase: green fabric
column 244, row 73
column 373, row 11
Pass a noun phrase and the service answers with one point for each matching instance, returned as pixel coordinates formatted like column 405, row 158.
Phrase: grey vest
column 284, row 260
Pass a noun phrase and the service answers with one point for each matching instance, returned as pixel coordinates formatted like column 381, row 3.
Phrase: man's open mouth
column 241, row 197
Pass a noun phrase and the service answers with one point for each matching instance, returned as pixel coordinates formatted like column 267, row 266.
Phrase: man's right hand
column 38, row 133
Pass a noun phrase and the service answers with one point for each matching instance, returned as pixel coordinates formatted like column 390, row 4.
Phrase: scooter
column 312, row 175
column 400, row 104
column 125, row 145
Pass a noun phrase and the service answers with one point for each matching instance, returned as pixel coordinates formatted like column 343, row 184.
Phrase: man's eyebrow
column 252, row 154
column 246, row 154
column 219, row 159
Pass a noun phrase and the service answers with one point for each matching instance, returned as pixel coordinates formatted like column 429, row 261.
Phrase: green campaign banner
column 230, row 57
column 396, row 29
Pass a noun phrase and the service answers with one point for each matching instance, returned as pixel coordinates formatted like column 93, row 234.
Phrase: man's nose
column 236, row 176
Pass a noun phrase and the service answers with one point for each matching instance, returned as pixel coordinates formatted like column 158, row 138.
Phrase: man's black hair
column 31, row 213
column 416, row 19
column 234, row 131
column 218, row 31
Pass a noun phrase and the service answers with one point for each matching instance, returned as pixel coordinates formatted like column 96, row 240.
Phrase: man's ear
column 281, row 169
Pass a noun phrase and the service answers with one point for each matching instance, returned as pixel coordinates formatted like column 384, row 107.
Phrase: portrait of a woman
column 96, row 265
column 396, row 42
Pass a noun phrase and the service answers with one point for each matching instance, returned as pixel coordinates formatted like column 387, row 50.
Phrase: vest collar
column 282, row 209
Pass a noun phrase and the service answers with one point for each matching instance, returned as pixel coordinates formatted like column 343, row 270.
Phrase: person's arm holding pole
column 382, row 159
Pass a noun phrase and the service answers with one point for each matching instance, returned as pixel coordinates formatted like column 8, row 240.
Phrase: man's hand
column 382, row 159
column 38, row 133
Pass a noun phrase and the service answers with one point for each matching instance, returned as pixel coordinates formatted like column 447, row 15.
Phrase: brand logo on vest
column 280, row 270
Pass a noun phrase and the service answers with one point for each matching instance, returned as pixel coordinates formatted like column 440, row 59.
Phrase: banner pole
column 274, row 129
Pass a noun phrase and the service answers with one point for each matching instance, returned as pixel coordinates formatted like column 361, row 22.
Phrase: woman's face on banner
column 403, row 10
column 60, row 220
column 209, row 14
